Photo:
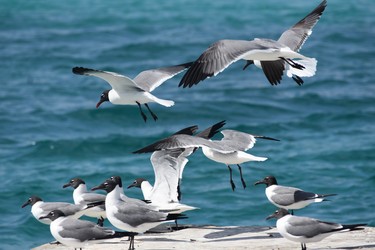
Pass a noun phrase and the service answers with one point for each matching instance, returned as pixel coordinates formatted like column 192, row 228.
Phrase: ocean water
column 51, row 130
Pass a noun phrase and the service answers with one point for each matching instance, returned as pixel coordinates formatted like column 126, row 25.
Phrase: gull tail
column 322, row 197
column 351, row 227
column 308, row 68
column 165, row 103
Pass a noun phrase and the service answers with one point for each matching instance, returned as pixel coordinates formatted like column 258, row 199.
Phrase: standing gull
column 79, row 233
column 289, row 197
column 305, row 230
column 229, row 150
column 129, row 216
column 272, row 56
column 82, row 196
column 137, row 91
column 41, row 208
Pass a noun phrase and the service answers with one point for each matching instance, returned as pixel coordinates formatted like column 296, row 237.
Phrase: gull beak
column 131, row 185
column 43, row 217
column 259, row 182
column 271, row 216
column 25, row 204
column 98, row 104
column 101, row 186
column 66, row 185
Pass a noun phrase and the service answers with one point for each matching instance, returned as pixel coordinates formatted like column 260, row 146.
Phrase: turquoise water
column 51, row 131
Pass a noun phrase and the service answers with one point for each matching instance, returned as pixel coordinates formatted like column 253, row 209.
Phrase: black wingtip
column 79, row 70
column 208, row 133
column 266, row 138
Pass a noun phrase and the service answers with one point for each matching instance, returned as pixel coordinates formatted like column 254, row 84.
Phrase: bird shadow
column 230, row 231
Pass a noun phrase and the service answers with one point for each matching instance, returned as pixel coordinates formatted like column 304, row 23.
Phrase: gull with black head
column 137, row 91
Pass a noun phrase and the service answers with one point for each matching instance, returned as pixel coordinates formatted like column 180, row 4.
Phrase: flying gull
column 289, row 197
column 305, row 230
column 137, row 91
column 79, row 233
column 274, row 57
column 229, row 150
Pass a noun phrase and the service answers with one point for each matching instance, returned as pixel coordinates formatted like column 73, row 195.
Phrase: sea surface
column 50, row 130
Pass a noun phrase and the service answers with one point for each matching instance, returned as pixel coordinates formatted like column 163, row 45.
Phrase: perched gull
column 289, row 197
column 229, row 150
column 137, row 91
column 129, row 216
column 79, row 233
column 305, row 230
column 168, row 167
column 40, row 208
column 82, row 196
column 274, row 57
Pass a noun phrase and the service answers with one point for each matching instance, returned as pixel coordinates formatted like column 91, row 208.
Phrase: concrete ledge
column 230, row 237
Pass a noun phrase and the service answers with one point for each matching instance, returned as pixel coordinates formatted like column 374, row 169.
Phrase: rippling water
column 51, row 131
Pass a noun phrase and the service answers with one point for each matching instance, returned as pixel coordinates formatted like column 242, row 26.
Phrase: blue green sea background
column 51, row 130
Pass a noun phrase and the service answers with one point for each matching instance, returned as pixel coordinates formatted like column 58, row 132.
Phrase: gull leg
column 248, row 62
column 131, row 243
column 100, row 221
column 303, row 245
column 152, row 113
column 231, row 179
column 292, row 212
column 242, row 180
column 143, row 114
column 292, row 63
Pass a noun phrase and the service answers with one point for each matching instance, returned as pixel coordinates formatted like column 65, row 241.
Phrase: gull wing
column 118, row 82
column 149, row 80
column 309, row 227
column 83, row 230
column 296, row 36
column 215, row 59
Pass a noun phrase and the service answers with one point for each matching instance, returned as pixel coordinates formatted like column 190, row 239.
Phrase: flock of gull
column 162, row 200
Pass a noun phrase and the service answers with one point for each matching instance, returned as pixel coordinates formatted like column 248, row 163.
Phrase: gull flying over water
column 289, row 197
column 137, row 91
column 305, row 230
column 229, row 150
column 274, row 57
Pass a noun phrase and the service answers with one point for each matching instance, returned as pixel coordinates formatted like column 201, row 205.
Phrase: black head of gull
column 31, row 201
column 137, row 183
column 53, row 215
column 74, row 183
column 107, row 185
column 103, row 98
column 269, row 181
column 280, row 213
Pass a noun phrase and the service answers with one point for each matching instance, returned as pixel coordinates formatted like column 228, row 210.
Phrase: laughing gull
column 79, row 233
column 129, row 216
column 229, row 150
column 289, row 197
column 272, row 56
column 305, row 230
column 82, row 196
column 137, row 91
column 168, row 167
column 40, row 208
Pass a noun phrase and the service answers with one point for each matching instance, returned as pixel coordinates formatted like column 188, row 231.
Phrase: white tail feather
column 308, row 71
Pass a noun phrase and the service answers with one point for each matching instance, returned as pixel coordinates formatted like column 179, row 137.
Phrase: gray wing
column 216, row 58
column 136, row 215
column 309, row 227
column 72, row 209
column 284, row 196
column 93, row 197
column 238, row 140
column 296, row 36
column 148, row 80
column 167, row 168
column 49, row 206
column 117, row 81
column 183, row 141
column 83, row 230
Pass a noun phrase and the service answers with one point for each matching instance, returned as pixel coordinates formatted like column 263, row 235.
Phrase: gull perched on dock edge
column 305, row 230
column 229, row 150
column 40, row 208
column 82, row 196
column 274, row 57
column 137, row 91
column 289, row 197
column 128, row 216
column 79, row 233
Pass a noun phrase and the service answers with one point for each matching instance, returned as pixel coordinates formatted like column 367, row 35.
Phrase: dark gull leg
column 231, row 179
column 131, row 243
column 297, row 79
column 242, row 180
column 292, row 63
column 292, row 212
column 152, row 113
column 143, row 114
column 100, row 221
column 248, row 63
column 303, row 245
